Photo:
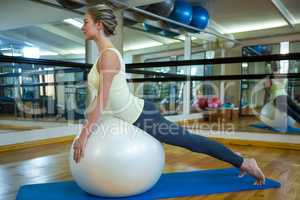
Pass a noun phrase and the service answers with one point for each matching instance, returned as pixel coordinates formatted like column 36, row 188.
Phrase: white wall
column 39, row 134
column 74, row 129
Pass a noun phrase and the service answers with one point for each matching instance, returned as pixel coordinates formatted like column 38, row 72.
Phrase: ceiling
column 34, row 24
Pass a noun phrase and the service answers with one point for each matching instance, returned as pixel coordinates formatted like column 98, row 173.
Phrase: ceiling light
column 29, row 44
column 48, row 53
column 74, row 22
column 74, row 51
column 142, row 45
column 255, row 26
column 31, row 52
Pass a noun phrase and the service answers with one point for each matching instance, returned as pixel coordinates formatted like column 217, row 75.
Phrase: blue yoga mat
column 170, row 185
column 289, row 129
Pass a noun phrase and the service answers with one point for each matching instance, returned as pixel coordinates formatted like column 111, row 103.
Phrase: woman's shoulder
column 107, row 51
column 109, row 60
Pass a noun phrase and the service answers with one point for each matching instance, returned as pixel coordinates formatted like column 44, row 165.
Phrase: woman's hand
column 79, row 146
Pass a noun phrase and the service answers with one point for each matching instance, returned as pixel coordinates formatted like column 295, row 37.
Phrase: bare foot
column 242, row 173
column 297, row 125
column 250, row 167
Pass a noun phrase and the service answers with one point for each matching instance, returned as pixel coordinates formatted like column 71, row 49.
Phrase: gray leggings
column 152, row 122
column 287, row 105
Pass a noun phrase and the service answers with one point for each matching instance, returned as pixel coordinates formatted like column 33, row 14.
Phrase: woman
column 107, row 84
column 280, row 97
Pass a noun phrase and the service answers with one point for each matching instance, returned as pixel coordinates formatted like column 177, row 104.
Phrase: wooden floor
column 50, row 163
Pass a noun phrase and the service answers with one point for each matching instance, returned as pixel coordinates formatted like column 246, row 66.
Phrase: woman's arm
column 267, row 84
column 107, row 68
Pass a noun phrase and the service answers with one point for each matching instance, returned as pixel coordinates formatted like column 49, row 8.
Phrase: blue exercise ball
column 151, row 29
column 200, row 17
column 167, row 33
column 182, row 12
column 261, row 49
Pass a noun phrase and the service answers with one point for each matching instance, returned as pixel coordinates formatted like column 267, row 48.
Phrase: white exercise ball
column 120, row 160
column 274, row 118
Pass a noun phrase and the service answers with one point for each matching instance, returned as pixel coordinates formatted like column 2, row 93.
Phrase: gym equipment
column 120, row 160
column 150, row 28
column 167, row 33
column 70, row 4
column 214, row 102
column 163, row 9
column 274, row 118
column 228, row 105
column 200, row 17
column 183, row 12
column 202, row 102
column 170, row 185
column 266, row 127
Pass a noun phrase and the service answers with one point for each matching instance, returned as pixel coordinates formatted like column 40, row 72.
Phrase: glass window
column 58, row 40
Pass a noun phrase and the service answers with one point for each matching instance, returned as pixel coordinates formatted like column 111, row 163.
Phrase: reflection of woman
column 280, row 97
column 110, row 93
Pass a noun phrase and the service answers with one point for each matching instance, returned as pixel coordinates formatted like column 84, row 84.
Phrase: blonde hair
column 105, row 14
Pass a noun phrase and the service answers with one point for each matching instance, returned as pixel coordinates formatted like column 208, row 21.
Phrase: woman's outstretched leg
column 287, row 105
column 170, row 133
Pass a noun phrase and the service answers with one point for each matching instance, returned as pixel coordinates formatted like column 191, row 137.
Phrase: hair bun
column 105, row 14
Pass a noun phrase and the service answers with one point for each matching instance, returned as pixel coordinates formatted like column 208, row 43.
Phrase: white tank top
column 278, row 88
column 121, row 102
